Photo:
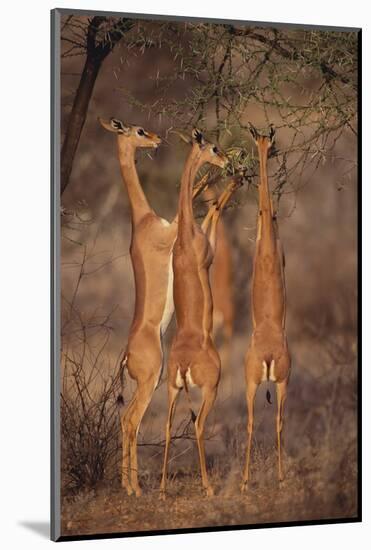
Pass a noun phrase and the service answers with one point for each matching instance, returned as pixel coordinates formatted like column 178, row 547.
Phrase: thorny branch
column 305, row 82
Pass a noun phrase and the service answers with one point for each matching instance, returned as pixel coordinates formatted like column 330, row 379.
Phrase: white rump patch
column 189, row 378
column 272, row 375
column 179, row 380
column 264, row 377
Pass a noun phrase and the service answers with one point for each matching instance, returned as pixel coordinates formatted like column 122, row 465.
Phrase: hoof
column 162, row 495
column 127, row 488
column 138, row 492
column 209, row 491
column 243, row 487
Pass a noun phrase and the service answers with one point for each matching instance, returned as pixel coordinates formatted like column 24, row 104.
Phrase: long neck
column 137, row 198
column 268, row 285
column 185, row 208
column 266, row 228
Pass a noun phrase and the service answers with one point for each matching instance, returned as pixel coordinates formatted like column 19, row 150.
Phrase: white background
column 24, row 271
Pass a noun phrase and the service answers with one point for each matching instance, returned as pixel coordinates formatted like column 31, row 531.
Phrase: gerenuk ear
column 113, row 125
column 253, row 131
column 118, row 126
column 272, row 133
column 198, row 137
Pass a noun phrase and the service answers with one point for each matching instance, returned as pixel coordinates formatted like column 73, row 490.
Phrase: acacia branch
column 294, row 55
column 96, row 52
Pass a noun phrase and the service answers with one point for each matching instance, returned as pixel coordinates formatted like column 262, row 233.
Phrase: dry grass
column 320, row 461
column 315, row 487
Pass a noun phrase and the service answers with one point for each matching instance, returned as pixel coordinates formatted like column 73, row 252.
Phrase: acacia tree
column 93, row 38
column 303, row 81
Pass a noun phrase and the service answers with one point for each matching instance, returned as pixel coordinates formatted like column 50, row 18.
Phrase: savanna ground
column 317, row 220
column 320, row 460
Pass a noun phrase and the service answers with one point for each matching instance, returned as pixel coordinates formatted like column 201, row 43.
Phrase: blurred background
column 170, row 76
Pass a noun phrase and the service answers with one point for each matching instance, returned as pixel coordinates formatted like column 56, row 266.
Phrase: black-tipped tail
column 268, row 396
column 193, row 416
column 120, row 399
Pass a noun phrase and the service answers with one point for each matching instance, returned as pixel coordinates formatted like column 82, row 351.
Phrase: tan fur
column 151, row 247
column 193, row 358
column 222, row 287
column 267, row 356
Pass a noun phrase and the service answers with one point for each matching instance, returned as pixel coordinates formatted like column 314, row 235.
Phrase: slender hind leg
column 172, row 395
column 250, row 398
column 125, row 482
column 143, row 398
column 208, row 395
column 281, row 398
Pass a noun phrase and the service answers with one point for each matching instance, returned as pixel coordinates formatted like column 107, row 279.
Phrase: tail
column 269, row 370
column 193, row 415
column 120, row 398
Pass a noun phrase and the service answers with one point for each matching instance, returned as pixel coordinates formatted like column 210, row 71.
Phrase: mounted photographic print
column 205, row 191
